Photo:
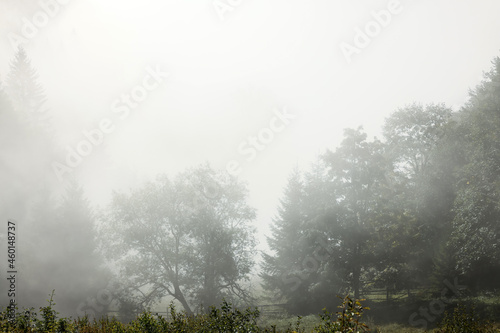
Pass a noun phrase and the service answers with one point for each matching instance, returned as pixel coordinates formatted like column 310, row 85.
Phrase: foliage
column 223, row 319
column 358, row 189
column 476, row 232
column 227, row 319
column 69, row 249
column 285, row 273
column 346, row 320
column 464, row 320
column 412, row 133
column 188, row 237
column 26, row 93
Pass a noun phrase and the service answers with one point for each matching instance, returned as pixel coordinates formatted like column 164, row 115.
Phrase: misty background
column 225, row 74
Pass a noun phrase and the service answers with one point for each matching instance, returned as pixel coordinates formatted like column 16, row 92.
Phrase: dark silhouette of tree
column 357, row 179
column 285, row 272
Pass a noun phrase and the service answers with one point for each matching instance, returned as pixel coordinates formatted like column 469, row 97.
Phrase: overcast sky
column 232, row 66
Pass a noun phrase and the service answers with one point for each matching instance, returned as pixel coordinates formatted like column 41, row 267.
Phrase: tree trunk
column 180, row 297
column 356, row 273
column 355, row 283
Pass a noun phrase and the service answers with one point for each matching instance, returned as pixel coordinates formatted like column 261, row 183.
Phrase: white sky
column 227, row 76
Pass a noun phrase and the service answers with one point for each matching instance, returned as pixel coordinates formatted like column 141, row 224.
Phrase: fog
column 253, row 89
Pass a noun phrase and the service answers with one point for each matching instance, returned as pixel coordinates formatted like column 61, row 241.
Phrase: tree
column 222, row 238
column 27, row 147
column 63, row 254
column 357, row 181
column 189, row 238
column 412, row 133
column 285, row 271
column 422, row 153
column 27, row 94
column 25, row 155
column 476, row 231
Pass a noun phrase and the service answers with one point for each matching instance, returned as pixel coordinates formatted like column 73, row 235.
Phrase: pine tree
column 286, row 272
column 26, row 93
column 63, row 254
column 27, row 144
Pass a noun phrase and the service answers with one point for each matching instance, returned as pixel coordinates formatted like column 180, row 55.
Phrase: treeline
column 405, row 212
column 410, row 211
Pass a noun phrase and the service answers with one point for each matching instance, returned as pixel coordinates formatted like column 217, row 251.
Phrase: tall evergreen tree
column 25, row 91
column 285, row 271
column 64, row 253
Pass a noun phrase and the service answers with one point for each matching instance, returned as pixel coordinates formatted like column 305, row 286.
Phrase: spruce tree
column 64, row 254
column 286, row 272
column 25, row 91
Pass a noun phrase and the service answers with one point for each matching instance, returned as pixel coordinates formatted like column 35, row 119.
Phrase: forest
column 409, row 221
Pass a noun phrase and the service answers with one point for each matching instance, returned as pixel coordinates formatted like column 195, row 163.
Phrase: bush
column 464, row 320
column 223, row 319
column 346, row 320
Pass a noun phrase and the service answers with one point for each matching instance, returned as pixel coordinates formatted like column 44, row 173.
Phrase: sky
column 208, row 76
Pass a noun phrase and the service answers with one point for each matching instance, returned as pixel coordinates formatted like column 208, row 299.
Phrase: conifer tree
column 25, row 91
column 64, row 255
column 286, row 272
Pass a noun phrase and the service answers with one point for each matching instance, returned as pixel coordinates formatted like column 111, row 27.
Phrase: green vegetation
column 227, row 318
column 408, row 216
column 464, row 320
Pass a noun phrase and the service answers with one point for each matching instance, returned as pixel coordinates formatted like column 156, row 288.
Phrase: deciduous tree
column 189, row 238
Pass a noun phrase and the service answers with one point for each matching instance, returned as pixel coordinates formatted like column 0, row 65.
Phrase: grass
column 226, row 318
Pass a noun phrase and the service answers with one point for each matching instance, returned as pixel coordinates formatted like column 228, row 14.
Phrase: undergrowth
column 222, row 319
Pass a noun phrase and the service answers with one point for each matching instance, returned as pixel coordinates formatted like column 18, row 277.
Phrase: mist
column 262, row 153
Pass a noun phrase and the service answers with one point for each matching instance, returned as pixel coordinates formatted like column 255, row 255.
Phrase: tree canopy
column 189, row 238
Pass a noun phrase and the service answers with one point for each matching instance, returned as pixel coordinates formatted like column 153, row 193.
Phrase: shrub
column 346, row 320
column 463, row 320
